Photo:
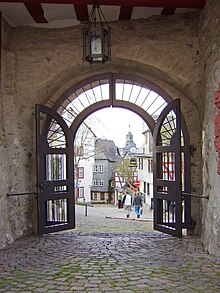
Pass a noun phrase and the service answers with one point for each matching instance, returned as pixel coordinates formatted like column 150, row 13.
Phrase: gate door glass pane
column 168, row 129
column 168, row 166
column 56, row 137
column 56, row 167
column 56, row 211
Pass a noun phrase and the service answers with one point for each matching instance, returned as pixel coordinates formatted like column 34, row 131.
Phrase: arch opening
column 145, row 99
column 112, row 90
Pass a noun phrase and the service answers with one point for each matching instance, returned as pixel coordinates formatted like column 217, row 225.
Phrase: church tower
column 130, row 146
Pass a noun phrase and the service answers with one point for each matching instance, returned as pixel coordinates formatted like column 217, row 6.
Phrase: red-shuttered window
column 81, row 172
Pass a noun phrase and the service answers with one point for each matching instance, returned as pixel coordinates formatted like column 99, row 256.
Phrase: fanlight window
column 83, row 98
column 55, row 136
column 140, row 95
column 123, row 90
column 168, row 130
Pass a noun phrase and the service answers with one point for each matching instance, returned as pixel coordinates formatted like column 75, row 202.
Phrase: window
column 94, row 196
column 140, row 163
column 148, row 189
column 55, row 167
column 81, row 172
column 95, row 169
column 101, row 182
column 150, row 163
column 144, row 187
column 70, row 113
column 95, row 182
column 81, row 192
column 98, row 168
column 78, row 150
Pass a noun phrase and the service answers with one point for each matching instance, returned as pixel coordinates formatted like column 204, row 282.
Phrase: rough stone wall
column 16, row 212
column 217, row 125
column 40, row 64
column 210, row 69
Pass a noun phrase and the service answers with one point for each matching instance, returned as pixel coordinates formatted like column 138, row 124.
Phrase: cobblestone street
column 108, row 253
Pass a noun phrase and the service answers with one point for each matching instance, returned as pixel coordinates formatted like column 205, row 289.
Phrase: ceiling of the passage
column 64, row 13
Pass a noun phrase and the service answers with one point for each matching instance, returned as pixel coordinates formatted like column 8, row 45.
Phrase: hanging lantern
column 96, row 38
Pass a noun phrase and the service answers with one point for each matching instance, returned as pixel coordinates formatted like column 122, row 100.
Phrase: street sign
column 137, row 183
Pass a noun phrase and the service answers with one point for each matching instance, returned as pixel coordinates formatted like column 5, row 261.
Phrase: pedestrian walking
column 127, row 200
column 120, row 202
column 138, row 204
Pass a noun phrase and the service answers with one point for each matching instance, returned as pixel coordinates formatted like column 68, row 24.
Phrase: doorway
column 57, row 129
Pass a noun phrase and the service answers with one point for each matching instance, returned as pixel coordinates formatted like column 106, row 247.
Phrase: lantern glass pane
column 87, row 44
column 106, row 45
column 96, row 46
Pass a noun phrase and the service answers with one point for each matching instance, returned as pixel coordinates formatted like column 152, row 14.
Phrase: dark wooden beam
column 36, row 11
column 81, row 12
column 125, row 13
column 168, row 11
column 127, row 3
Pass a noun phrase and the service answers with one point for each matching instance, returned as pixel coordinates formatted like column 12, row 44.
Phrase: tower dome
column 130, row 145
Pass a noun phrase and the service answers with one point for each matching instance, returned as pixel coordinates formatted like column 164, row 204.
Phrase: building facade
column 84, row 152
column 102, row 190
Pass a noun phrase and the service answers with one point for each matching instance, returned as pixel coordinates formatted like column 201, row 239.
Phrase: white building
column 145, row 169
column 84, row 146
column 84, row 181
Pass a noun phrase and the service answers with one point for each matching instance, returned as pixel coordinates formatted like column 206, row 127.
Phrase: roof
column 106, row 149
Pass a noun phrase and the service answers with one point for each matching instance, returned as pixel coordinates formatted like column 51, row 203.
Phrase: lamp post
column 96, row 37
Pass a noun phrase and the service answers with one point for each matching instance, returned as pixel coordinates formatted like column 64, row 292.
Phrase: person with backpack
column 138, row 204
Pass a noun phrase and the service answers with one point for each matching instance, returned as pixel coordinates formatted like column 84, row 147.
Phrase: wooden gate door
column 167, row 171
column 55, row 175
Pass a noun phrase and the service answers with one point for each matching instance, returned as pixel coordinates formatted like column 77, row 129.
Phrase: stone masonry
column 108, row 255
column 210, row 73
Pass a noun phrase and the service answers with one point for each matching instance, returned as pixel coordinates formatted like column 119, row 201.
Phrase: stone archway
column 122, row 91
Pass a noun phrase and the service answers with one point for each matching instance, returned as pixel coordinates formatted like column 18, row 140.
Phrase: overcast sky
column 113, row 124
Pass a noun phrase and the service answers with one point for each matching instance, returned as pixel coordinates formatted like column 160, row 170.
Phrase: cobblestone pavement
column 108, row 254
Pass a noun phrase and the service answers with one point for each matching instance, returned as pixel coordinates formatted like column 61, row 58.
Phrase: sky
column 114, row 124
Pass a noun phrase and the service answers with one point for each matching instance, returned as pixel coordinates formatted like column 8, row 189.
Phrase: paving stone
column 92, row 260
